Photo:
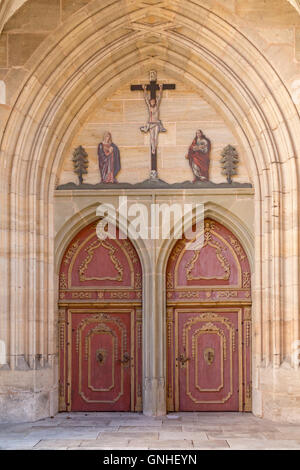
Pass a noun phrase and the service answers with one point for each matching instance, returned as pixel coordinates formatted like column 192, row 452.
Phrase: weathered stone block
column 21, row 47
column 35, row 15
column 68, row 7
column 3, row 50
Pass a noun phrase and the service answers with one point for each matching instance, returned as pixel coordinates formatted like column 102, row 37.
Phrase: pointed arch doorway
column 209, row 324
column 100, row 325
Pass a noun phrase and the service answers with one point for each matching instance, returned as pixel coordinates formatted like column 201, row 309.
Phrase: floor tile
column 252, row 444
column 210, row 445
column 167, row 435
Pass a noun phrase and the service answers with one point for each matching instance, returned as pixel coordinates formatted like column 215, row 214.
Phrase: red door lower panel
column 102, row 357
column 206, row 370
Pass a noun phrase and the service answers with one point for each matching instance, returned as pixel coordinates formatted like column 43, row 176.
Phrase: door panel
column 209, row 323
column 207, row 360
column 100, row 324
column 102, row 360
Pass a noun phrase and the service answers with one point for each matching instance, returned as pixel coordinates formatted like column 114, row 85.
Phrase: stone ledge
column 152, row 184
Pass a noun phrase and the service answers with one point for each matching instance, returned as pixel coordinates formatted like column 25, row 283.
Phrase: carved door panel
column 102, row 360
column 208, row 360
column 209, row 323
column 100, row 324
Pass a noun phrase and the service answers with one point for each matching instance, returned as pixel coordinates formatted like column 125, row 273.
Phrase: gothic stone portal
column 209, row 324
column 100, row 325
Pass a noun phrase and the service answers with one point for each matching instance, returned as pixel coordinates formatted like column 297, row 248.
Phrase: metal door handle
column 182, row 359
column 126, row 358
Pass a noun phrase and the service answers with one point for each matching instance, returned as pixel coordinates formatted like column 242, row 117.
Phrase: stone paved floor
column 136, row 431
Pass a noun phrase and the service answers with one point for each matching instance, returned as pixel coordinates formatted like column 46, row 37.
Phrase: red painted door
column 209, row 324
column 100, row 325
column 102, row 360
column 207, row 359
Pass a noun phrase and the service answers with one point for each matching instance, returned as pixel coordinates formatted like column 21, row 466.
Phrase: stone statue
column 198, row 156
column 109, row 159
column 154, row 124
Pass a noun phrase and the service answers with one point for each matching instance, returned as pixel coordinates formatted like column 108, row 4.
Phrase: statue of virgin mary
column 109, row 159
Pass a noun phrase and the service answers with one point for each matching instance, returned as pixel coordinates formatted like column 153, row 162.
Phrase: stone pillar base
column 279, row 396
column 154, row 400
column 27, row 395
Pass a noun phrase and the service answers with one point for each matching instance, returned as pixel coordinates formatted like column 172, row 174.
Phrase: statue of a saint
column 154, row 124
column 198, row 156
column 109, row 159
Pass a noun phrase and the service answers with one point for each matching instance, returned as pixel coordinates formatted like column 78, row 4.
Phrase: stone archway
column 73, row 70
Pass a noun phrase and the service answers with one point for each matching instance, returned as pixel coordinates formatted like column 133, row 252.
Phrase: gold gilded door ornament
column 62, row 340
column 112, row 254
column 209, row 317
column 246, row 279
column 138, row 281
column 101, row 326
column 130, row 251
column 62, row 281
column 237, row 248
column 210, row 328
column 100, row 329
column 220, row 257
column 71, row 252
column 170, row 280
column 209, row 356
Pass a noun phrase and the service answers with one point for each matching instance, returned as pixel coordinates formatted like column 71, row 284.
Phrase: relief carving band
column 198, row 156
column 109, row 159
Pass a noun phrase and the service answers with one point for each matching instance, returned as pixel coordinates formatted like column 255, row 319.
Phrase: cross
column 154, row 128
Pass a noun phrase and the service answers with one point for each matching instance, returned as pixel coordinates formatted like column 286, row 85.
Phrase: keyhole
column 100, row 357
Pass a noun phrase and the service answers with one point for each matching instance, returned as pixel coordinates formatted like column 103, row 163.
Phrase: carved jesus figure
column 154, row 124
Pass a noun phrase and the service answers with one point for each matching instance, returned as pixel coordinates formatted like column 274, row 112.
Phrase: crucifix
column 154, row 124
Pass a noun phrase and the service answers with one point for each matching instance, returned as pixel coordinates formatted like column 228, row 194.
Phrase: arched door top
column 209, row 323
column 215, row 269
column 93, row 269
column 100, row 324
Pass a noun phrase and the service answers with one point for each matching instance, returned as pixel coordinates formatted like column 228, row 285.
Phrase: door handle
column 182, row 359
column 126, row 358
